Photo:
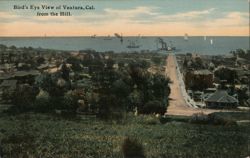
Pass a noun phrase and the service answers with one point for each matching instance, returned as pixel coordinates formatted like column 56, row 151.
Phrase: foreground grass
column 236, row 116
column 43, row 135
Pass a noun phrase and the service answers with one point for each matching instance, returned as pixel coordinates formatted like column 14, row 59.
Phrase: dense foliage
column 226, row 74
column 110, row 84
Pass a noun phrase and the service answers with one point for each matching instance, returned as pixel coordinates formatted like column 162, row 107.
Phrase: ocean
column 198, row 44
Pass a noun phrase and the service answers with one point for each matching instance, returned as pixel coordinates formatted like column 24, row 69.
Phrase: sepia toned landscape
column 92, row 104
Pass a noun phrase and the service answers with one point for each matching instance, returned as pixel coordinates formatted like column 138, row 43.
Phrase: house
column 8, row 84
column 199, row 79
column 221, row 99
column 197, row 96
column 242, row 61
column 210, row 90
column 7, row 87
column 248, row 102
column 7, row 67
column 78, row 55
column 26, row 76
column 43, row 67
column 5, row 76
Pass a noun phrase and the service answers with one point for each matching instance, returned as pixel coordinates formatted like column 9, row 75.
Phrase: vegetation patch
column 131, row 148
column 200, row 118
column 44, row 135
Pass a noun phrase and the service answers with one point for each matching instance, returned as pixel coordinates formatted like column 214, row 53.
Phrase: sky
column 129, row 17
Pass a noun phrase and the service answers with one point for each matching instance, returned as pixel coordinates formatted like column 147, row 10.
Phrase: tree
column 121, row 64
column 13, row 47
column 2, row 58
column 25, row 96
column 198, row 63
column 138, row 75
column 65, row 72
column 152, row 86
column 93, row 100
column 120, row 89
column 160, row 87
column 243, row 54
column 154, row 107
column 185, row 63
column 40, row 60
column 157, row 60
column 226, row 74
column 51, row 84
column 107, row 106
column 135, row 99
column 78, row 96
column 75, row 63
column 110, row 63
column 242, row 95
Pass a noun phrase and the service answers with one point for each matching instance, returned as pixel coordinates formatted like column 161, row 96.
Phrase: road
column 177, row 104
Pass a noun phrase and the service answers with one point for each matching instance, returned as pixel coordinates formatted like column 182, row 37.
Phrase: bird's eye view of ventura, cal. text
column 124, row 79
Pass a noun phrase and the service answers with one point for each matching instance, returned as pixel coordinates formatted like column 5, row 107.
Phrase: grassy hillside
column 43, row 135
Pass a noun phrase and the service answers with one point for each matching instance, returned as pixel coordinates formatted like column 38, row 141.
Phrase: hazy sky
column 130, row 17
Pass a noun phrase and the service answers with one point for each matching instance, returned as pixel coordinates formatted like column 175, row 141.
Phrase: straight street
column 177, row 103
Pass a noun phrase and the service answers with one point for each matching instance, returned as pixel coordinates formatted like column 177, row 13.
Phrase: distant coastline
column 195, row 44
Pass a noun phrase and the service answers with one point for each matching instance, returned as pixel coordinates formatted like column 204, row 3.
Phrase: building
column 221, row 99
column 25, row 76
column 7, row 87
column 199, row 79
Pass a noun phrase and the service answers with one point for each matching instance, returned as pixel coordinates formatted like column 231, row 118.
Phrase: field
column 50, row 135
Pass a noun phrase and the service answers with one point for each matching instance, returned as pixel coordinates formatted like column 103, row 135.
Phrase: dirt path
column 177, row 104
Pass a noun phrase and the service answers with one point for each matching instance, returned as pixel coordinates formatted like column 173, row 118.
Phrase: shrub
column 24, row 96
column 152, row 107
column 213, row 119
column 163, row 119
column 131, row 148
column 7, row 95
column 109, row 108
column 41, row 105
column 199, row 118
column 157, row 60
column 63, row 103
column 151, row 121
column 217, row 120
column 1, row 151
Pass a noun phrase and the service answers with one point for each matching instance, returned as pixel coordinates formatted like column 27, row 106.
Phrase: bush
column 150, row 120
column 42, row 105
column 63, row 103
column 153, row 107
column 217, row 120
column 131, row 148
column 25, row 96
column 7, row 95
column 201, row 118
column 1, row 151
column 157, row 60
column 163, row 119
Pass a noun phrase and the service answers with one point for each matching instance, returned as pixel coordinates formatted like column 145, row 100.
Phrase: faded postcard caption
column 54, row 10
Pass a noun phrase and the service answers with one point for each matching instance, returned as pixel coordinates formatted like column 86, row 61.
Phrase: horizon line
column 47, row 36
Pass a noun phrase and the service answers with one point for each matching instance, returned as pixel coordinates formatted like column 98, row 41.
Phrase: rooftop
column 26, row 73
column 222, row 97
column 202, row 72
column 9, row 83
